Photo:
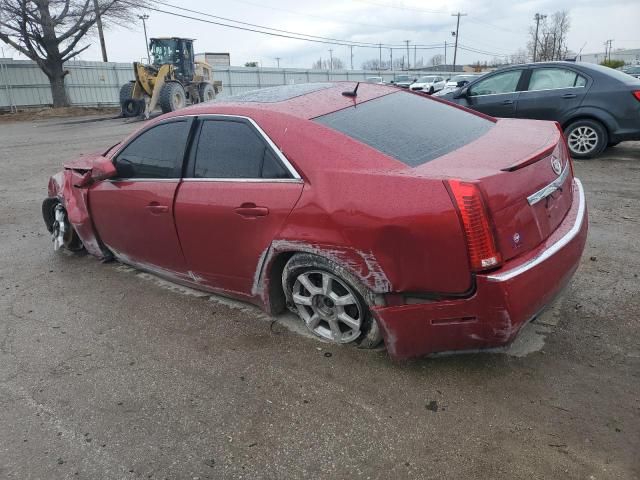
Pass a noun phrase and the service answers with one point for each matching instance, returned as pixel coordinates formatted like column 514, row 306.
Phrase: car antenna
column 349, row 93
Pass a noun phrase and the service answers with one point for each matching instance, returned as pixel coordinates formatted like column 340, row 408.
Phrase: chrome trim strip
column 115, row 180
column 283, row 159
column 240, row 180
column 553, row 249
column 549, row 189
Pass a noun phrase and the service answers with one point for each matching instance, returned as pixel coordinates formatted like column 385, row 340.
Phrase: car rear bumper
column 504, row 300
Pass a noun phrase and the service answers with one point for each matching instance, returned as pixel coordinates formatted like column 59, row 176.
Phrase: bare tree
column 520, row 56
column 552, row 37
column 335, row 64
column 437, row 60
column 50, row 32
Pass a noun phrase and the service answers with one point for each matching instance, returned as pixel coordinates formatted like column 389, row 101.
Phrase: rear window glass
column 408, row 127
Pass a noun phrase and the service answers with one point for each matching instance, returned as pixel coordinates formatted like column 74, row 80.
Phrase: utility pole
column 331, row 59
column 415, row 49
column 380, row 55
column 455, row 34
column 351, row 55
column 144, row 18
column 445, row 53
column 607, row 51
column 408, row 66
column 278, row 61
column 538, row 18
column 100, row 32
column 391, row 59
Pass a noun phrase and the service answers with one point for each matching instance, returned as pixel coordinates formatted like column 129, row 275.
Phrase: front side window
column 155, row 153
column 552, row 78
column 505, row 82
column 228, row 149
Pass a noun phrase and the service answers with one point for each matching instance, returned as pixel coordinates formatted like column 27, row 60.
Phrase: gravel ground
column 110, row 373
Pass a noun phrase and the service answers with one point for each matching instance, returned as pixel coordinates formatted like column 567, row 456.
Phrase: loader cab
column 175, row 51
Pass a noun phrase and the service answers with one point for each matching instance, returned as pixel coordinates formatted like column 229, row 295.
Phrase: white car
column 456, row 82
column 428, row 84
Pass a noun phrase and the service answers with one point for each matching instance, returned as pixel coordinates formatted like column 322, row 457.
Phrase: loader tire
column 207, row 92
column 172, row 97
column 129, row 106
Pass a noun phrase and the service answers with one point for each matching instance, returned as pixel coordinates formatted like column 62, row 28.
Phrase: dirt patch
column 31, row 114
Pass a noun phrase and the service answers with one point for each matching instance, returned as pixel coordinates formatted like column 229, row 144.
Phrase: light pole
column 408, row 65
column 278, row 61
column 331, row 59
column 538, row 18
column 146, row 41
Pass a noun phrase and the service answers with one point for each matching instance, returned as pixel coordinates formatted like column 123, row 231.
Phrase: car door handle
column 507, row 102
column 156, row 209
column 252, row 210
column 569, row 95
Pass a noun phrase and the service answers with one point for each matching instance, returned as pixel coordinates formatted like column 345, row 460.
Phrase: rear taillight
column 636, row 94
column 565, row 148
column 481, row 244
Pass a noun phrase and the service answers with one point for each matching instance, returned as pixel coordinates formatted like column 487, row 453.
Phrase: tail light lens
column 636, row 94
column 565, row 148
column 481, row 244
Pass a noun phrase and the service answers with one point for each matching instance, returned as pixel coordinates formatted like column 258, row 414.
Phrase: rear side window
column 409, row 127
column 228, row 149
column 155, row 153
column 552, row 78
column 505, row 82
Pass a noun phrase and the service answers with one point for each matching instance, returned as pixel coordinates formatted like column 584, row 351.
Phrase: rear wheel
column 172, row 97
column 586, row 138
column 431, row 90
column 325, row 297
column 207, row 92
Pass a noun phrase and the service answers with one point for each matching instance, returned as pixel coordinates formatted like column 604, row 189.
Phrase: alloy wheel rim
column 328, row 306
column 582, row 139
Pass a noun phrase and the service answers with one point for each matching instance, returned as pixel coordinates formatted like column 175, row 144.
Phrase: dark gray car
column 595, row 105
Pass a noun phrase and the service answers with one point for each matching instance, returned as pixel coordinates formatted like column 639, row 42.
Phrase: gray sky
column 498, row 26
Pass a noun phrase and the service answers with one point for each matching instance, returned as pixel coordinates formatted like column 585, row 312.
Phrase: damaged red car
column 372, row 212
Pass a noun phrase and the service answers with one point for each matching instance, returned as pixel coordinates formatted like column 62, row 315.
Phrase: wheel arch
column 607, row 121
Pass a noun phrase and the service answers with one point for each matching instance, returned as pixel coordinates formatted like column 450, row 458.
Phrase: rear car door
column 133, row 213
column 552, row 93
column 496, row 94
column 236, row 195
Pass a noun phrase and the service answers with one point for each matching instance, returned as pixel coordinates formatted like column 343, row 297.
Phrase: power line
column 280, row 33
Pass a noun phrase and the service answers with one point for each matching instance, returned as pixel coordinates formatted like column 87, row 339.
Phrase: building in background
column 214, row 59
column 629, row 56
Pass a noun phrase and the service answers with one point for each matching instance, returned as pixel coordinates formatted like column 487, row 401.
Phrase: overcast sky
column 498, row 26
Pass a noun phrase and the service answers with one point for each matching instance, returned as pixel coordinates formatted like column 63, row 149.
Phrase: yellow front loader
column 172, row 81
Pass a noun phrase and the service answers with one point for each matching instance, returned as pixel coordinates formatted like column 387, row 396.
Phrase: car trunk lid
column 524, row 172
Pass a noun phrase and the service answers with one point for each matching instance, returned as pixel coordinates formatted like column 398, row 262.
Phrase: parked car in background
column 456, row 82
column 634, row 71
column 403, row 81
column 336, row 204
column 377, row 80
column 428, row 84
column 595, row 105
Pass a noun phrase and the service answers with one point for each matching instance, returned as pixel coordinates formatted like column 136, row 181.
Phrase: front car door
column 236, row 195
column 496, row 94
column 552, row 93
column 133, row 213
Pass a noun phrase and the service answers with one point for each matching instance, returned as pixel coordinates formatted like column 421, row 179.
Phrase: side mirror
column 102, row 169
column 462, row 83
column 464, row 92
column 392, row 81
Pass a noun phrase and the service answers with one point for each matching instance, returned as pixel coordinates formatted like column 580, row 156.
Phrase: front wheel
column 172, row 97
column 586, row 138
column 323, row 295
column 62, row 232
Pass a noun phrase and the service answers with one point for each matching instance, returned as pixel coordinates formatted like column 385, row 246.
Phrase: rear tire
column 431, row 91
column 129, row 106
column 321, row 305
column 207, row 92
column 586, row 138
column 172, row 97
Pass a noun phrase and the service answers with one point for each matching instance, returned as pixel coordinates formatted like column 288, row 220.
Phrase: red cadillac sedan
column 371, row 212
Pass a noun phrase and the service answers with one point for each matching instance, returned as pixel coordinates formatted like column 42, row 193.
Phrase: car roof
column 305, row 100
